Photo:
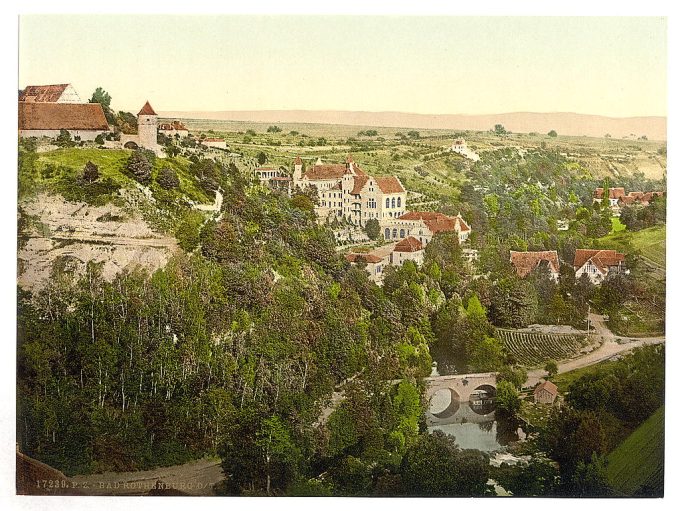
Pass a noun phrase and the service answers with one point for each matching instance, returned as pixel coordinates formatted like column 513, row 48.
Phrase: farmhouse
column 376, row 261
column 423, row 225
column 614, row 195
column 174, row 129
column 598, row 264
column 618, row 198
column 61, row 93
column 545, row 393
column 40, row 119
column 526, row 262
column 147, row 132
column 347, row 191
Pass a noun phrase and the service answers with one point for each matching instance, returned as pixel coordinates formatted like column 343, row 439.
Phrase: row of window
column 395, row 204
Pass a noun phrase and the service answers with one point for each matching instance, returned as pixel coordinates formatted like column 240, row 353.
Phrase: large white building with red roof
column 598, row 264
column 423, row 225
column 345, row 190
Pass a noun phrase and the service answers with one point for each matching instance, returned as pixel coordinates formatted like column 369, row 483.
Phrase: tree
column 104, row 99
column 551, row 368
column 507, row 398
column 302, row 202
column 590, row 478
column 139, row 167
column 413, row 134
column 372, row 229
column 499, row 129
column 552, row 133
column 99, row 139
column 435, row 467
column 167, row 178
column 261, row 158
column 517, row 376
column 272, row 129
column 64, row 139
column 90, row 172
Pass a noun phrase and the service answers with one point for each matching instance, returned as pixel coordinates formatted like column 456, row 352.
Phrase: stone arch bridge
column 463, row 387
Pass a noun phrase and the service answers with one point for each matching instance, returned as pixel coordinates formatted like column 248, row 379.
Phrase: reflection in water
column 474, row 424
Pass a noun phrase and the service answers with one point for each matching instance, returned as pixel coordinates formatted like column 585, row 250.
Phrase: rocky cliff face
column 76, row 233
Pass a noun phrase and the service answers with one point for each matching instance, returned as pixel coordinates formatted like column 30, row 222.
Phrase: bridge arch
column 131, row 145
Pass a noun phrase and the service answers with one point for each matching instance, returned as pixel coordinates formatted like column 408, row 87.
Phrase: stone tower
column 147, row 127
column 297, row 172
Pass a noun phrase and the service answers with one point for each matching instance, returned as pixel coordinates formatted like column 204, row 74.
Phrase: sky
column 613, row 66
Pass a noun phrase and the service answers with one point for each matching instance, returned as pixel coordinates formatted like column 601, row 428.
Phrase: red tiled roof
column 603, row 259
column 57, row 116
column 147, row 110
column 614, row 193
column 435, row 222
column 409, row 244
column 369, row 258
column 213, row 140
column 462, row 225
column 547, row 386
column 526, row 262
column 42, row 93
column 280, row 178
column 627, row 200
column 635, row 195
column 359, row 182
column 326, row 171
column 174, row 125
column 389, row 184
column 256, row 168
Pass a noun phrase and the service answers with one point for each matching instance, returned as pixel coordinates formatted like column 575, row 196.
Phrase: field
column 650, row 242
column 563, row 380
column 535, row 348
column 636, row 466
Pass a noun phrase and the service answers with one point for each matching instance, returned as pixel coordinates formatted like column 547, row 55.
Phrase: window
column 394, row 233
column 393, row 202
column 401, row 233
column 398, row 202
column 387, row 203
column 387, row 234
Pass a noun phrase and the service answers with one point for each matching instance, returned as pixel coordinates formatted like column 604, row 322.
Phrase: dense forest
column 237, row 344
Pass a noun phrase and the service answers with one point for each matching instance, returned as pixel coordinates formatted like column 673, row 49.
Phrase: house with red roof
column 618, row 198
column 41, row 119
column 545, row 393
column 526, row 262
column 174, row 129
column 345, row 190
column 598, row 264
column 423, row 225
column 408, row 249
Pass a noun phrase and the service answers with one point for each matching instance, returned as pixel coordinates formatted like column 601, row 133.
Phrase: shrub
column 64, row 139
column 90, row 172
column 167, row 178
column 139, row 167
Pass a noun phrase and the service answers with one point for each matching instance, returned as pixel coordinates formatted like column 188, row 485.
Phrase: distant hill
column 522, row 122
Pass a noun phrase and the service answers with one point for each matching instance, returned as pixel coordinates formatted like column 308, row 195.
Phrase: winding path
column 612, row 345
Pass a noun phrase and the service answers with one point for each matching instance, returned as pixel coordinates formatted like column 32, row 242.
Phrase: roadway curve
column 607, row 350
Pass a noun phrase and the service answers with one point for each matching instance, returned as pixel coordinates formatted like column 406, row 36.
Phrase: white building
column 174, row 129
column 598, row 264
column 459, row 146
column 408, row 249
column 423, row 225
column 347, row 191
column 84, row 121
column 218, row 143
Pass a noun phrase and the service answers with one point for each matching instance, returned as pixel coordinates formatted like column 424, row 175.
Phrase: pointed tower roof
column 147, row 110
column 298, row 160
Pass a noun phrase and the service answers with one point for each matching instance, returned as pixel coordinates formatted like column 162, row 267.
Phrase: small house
column 545, row 393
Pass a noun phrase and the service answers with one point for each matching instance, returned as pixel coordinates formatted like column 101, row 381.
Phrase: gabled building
column 61, row 93
column 274, row 178
column 526, row 262
column 545, row 393
column 423, row 225
column 408, row 249
column 598, row 264
column 345, row 190
column 174, row 129
column 42, row 119
column 460, row 147
column 217, row 143
column 614, row 195
column 375, row 263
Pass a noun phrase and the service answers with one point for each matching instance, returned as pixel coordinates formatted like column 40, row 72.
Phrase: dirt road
column 612, row 345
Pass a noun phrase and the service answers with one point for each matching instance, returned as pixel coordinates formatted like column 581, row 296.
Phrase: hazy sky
column 606, row 66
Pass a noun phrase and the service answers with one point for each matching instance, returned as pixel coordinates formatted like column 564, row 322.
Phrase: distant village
column 345, row 191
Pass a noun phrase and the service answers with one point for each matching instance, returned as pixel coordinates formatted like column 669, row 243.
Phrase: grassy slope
column 651, row 242
column 112, row 162
column 639, row 460
column 563, row 380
